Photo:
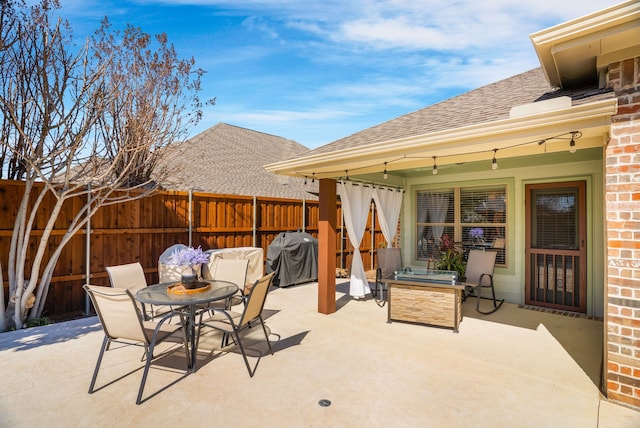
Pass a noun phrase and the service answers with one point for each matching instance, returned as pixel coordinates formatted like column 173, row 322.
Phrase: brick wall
column 623, row 237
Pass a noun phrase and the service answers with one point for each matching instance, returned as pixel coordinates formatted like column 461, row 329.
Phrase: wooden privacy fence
column 140, row 230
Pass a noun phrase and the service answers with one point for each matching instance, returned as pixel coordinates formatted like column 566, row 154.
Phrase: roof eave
column 573, row 51
column 463, row 144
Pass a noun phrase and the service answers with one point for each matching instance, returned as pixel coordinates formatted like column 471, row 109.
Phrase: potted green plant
column 451, row 257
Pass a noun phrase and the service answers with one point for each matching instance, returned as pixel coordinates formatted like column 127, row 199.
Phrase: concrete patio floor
column 515, row 368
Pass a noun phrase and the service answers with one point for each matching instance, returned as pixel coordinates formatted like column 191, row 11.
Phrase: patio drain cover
column 324, row 402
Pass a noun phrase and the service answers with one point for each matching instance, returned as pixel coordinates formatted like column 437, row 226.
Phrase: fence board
column 140, row 230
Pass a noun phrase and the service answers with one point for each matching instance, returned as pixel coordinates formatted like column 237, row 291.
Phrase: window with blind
column 475, row 217
column 556, row 219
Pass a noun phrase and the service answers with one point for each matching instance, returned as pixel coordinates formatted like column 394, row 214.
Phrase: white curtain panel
column 438, row 205
column 388, row 204
column 356, row 200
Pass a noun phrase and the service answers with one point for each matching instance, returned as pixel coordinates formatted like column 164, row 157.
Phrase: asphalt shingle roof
column 488, row 103
column 228, row 159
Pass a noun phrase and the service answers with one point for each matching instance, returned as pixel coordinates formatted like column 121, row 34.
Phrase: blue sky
column 317, row 71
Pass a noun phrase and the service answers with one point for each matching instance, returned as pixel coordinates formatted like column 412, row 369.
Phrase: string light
column 572, row 144
column 313, row 178
column 572, row 136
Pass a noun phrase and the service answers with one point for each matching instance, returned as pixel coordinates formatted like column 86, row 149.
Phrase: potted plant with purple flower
column 477, row 233
column 190, row 259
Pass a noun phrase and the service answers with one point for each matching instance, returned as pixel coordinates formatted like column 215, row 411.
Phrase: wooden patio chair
column 479, row 275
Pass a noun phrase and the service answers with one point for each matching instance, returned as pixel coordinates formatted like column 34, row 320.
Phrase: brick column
column 622, row 326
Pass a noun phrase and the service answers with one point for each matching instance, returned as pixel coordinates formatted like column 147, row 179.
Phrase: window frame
column 458, row 225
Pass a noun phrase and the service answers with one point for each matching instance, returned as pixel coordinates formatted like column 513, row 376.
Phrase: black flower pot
column 189, row 280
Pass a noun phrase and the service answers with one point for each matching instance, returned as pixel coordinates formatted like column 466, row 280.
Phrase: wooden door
column 555, row 262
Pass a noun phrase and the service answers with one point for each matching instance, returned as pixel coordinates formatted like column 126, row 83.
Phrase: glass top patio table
column 428, row 275
column 158, row 294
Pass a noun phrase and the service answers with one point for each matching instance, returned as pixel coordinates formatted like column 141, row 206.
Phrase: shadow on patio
column 494, row 372
column 580, row 336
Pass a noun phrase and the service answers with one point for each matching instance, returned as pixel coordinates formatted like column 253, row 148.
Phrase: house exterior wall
column 623, row 237
column 584, row 165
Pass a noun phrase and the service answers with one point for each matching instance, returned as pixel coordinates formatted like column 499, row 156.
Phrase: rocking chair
column 479, row 275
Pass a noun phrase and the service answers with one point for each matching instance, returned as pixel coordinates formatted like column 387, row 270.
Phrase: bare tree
column 90, row 121
column 9, row 164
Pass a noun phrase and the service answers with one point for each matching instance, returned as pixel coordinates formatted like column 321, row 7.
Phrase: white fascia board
column 592, row 28
column 484, row 136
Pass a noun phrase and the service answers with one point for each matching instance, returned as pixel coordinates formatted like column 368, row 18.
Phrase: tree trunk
column 3, row 321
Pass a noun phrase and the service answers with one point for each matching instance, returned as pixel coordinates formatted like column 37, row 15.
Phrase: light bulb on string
column 494, row 162
column 572, row 145
column 435, row 167
column 384, row 173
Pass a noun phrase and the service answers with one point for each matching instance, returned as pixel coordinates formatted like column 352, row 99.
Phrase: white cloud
column 398, row 32
column 259, row 24
column 266, row 117
column 316, row 71
column 455, row 25
column 310, row 128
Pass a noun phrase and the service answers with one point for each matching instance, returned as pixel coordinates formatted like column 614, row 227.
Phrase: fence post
column 87, row 267
column 190, row 220
column 304, row 211
column 255, row 221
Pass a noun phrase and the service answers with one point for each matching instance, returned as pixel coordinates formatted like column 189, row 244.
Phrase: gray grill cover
column 293, row 256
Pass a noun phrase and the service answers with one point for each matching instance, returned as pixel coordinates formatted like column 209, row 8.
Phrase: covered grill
column 293, row 256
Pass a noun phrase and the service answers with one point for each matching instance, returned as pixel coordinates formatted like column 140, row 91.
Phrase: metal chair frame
column 479, row 275
column 126, row 325
column 233, row 323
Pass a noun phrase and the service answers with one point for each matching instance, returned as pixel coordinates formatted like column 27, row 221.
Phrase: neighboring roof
column 227, row 159
column 486, row 104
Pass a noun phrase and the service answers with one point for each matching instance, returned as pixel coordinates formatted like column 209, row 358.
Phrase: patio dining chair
column 234, row 271
column 235, row 324
column 130, row 276
column 389, row 261
column 122, row 322
column 479, row 275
